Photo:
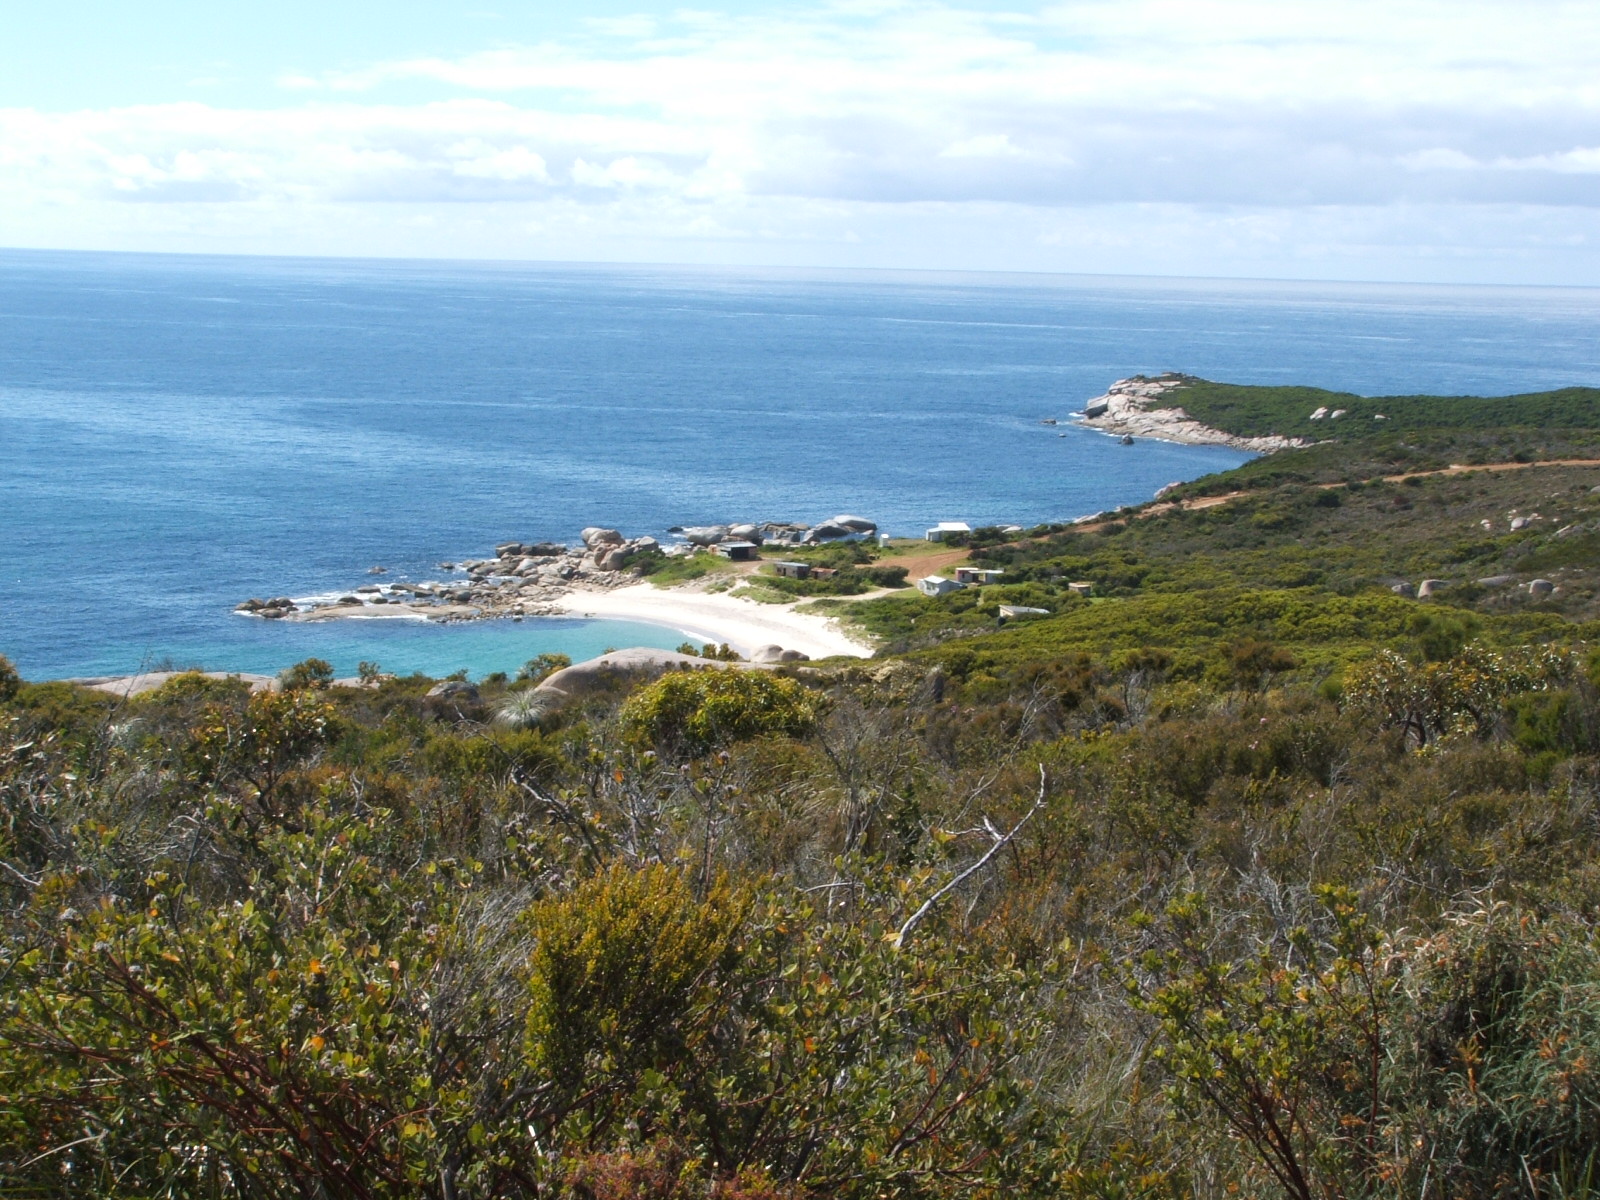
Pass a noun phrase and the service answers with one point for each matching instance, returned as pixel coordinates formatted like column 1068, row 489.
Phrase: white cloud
column 989, row 145
column 1439, row 158
column 1584, row 160
column 714, row 121
column 624, row 172
column 450, row 150
column 481, row 160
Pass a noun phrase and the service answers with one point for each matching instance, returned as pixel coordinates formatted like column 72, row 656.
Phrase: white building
column 979, row 575
column 946, row 529
column 938, row 585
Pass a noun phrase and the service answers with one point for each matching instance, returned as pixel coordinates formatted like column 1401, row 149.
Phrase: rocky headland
column 1127, row 410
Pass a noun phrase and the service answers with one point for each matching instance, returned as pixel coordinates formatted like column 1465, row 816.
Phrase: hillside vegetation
column 1253, row 411
column 1245, row 875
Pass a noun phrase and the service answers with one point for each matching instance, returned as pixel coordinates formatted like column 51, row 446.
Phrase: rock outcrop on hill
column 148, row 681
column 618, row 667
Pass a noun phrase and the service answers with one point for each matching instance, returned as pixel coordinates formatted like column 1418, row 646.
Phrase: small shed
column 1011, row 611
column 937, row 585
column 1081, row 588
column 945, row 530
column 824, row 572
column 791, row 570
column 978, row 575
column 737, row 551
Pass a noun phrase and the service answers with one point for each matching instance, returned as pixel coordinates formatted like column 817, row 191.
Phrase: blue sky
column 1447, row 140
column 94, row 53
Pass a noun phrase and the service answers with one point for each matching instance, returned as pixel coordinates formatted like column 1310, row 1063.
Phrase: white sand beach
column 743, row 624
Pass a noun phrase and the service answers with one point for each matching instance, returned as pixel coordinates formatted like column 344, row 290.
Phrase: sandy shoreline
column 704, row 616
column 718, row 617
column 708, row 616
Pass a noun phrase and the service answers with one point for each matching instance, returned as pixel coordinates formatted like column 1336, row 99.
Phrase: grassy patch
column 756, row 589
column 665, row 570
column 847, row 581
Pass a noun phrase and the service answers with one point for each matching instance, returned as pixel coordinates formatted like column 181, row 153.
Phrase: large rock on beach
column 829, row 531
column 855, row 524
column 705, row 535
column 784, row 533
column 745, row 533
column 595, row 536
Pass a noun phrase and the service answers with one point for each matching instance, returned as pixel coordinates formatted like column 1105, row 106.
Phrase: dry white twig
column 1001, row 840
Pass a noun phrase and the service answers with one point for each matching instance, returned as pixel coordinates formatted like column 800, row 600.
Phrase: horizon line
column 793, row 268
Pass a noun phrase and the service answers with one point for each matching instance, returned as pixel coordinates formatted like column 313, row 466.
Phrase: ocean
column 180, row 433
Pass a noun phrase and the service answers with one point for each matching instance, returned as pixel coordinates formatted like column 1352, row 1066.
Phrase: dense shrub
column 312, row 673
column 628, row 971
column 691, row 712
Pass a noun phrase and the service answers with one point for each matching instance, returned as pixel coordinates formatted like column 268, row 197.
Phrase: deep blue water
column 179, row 433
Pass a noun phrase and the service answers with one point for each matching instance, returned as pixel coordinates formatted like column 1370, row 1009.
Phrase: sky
column 1452, row 141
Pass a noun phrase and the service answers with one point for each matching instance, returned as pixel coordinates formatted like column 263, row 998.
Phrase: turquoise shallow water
column 177, row 434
